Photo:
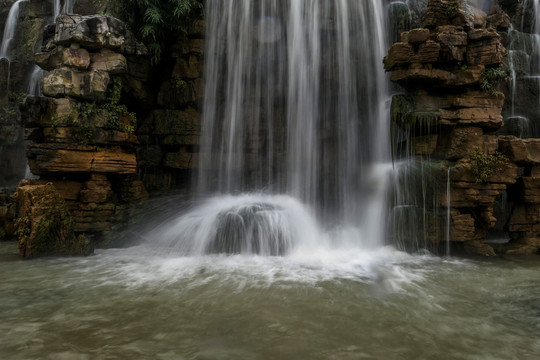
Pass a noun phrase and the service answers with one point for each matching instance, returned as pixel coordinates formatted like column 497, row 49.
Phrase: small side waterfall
column 9, row 29
column 296, row 105
column 448, row 211
column 524, row 61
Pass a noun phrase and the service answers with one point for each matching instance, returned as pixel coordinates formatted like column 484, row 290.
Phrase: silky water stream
column 283, row 255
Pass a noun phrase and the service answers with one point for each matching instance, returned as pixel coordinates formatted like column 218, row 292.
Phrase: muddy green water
column 136, row 304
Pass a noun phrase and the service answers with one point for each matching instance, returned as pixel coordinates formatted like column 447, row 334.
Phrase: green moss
column 452, row 8
column 86, row 115
column 491, row 78
column 487, row 165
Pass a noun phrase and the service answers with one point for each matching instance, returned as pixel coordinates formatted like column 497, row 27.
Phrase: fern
column 154, row 19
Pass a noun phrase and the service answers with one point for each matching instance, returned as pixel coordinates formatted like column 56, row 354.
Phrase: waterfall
column 9, row 29
column 296, row 105
column 448, row 211
column 34, row 87
column 534, row 7
column 62, row 8
column 293, row 100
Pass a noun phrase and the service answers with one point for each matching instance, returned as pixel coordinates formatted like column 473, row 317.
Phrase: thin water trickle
column 448, row 211
column 9, row 29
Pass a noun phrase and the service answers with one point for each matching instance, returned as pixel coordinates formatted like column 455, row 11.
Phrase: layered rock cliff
column 453, row 70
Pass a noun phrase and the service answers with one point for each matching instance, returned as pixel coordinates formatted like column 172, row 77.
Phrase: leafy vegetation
column 487, row 165
column 154, row 19
column 491, row 78
column 87, row 114
column 452, row 8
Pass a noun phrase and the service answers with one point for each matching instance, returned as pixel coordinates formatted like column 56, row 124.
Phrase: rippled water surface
column 312, row 304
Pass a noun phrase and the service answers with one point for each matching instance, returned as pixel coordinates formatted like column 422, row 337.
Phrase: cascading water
column 524, row 61
column 33, row 87
column 9, row 29
column 295, row 105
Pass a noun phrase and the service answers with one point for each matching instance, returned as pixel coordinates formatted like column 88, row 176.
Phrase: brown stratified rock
column 525, row 218
column 427, row 74
column 109, row 61
column 94, row 136
column 92, row 217
column 485, row 48
column 462, row 142
column 64, row 82
column 70, row 190
column 475, row 99
column 452, row 12
column 530, row 189
column 417, row 36
column 60, row 56
column 520, row 151
column 525, row 244
column 486, row 118
column 498, row 19
column 453, row 42
column 405, row 53
column 463, row 171
column 45, row 226
column 54, row 159
column 471, row 195
column 96, row 190
column 461, row 226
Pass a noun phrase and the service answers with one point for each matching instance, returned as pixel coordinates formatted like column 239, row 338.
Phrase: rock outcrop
column 44, row 223
column 450, row 113
column 82, row 139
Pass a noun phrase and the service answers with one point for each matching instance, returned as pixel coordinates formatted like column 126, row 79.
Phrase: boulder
column 60, row 56
column 485, row 48
column 520, row 151
column 62, row 82
column 97, row 32
column 109, row 61
column 44, row 224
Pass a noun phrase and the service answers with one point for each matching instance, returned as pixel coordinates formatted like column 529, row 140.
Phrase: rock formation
column 81, row 138
column 452, row 70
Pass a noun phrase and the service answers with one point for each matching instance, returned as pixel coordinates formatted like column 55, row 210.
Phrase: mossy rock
column 44, row 223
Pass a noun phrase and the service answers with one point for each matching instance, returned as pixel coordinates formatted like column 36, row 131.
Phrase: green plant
column 119, row 118
column 490, row 78
column 452, row 8
column 86, row 115
column 178, row 82
column 155, row 18
column 22, row 228
column 487, row 165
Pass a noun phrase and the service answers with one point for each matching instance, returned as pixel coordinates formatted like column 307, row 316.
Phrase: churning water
column 296, row 107
column 383, row 304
